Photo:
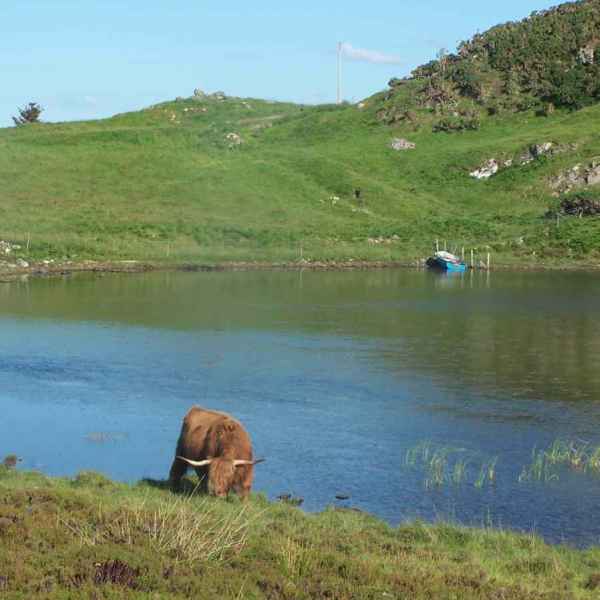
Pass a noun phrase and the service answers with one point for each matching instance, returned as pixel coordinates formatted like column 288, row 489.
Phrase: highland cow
column 219, row 448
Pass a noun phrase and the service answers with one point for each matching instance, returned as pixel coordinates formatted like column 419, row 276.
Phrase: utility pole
column 339, row 73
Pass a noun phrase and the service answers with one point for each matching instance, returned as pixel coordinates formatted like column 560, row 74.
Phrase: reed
column 575, row 455
column 448, row 465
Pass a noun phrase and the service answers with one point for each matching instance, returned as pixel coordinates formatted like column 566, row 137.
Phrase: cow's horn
column 238, row 463
column 196, row 463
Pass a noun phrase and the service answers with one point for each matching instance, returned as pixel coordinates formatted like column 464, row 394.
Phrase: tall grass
column 444, row 465
column 183, row 528
column 575, row 455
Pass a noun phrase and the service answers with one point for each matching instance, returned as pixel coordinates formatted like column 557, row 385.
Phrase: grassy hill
column 165, row 184
column 88, row 537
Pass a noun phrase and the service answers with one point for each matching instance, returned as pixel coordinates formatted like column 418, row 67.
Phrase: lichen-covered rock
column 234, row 139
column 577, row 176
column 402, row 144
column 489, row 168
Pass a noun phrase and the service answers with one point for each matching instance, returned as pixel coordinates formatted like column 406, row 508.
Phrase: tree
column 29, row 114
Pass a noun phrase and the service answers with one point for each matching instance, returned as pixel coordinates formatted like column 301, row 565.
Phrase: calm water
column 335, row 375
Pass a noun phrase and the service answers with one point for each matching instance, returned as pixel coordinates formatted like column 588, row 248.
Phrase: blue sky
column 84, row 59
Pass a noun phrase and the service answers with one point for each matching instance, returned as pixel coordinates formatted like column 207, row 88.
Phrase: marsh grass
column 444, row 465
column 575, row 455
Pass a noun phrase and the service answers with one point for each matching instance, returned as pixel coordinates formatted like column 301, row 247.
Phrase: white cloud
column 370, row 56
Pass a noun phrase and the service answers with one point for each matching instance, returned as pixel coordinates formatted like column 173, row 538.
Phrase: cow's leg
column 178, row 470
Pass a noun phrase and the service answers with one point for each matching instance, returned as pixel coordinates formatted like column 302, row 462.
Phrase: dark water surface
column 335, row 375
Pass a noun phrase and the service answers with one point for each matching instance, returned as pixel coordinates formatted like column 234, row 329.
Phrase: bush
column 461, row 123
column 29, row 114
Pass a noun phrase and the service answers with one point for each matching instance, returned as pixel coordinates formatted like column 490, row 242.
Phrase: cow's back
column 207, row 433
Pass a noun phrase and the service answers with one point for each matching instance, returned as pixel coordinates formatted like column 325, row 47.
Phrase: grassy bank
column 90, row 537
column 164, row 185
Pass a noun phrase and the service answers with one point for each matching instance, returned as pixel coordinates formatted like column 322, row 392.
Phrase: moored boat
column 445, row 261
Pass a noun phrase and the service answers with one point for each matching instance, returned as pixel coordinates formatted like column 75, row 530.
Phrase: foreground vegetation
column 90, row 537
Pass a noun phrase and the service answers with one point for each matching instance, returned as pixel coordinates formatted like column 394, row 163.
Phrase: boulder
column 489, row 168
column 402, row 144
column 577, row 176
column 587, row 55
column 234, row 139
column 198, row 93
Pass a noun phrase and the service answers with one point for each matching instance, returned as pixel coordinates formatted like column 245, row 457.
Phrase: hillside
column 210, row 179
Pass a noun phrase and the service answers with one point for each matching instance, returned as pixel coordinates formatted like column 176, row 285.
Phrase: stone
column 577, row 176
column 587, row 55
column 23, row 264
column 402, row 144
column 234, row 139
column 198, row 93
column 486, row 170
column 538, row 150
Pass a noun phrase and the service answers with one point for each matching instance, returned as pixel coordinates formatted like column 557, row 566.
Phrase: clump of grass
column 574, row 455
column 447, row 465
column 175, row 528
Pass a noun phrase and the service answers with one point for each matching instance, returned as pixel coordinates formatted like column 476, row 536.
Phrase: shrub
column 29, row 114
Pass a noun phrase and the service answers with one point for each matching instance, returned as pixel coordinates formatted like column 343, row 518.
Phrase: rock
column 198, row 93
column 342, row 497
column 538, row 150
column 361, row 105
column 234, row 139
column 402, row 144
column 486, row 170
column 577, row 176
column 23, row 264
column 587, row 55
column 220, row 96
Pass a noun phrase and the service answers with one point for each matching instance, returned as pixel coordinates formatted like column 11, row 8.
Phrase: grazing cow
column 219, row 448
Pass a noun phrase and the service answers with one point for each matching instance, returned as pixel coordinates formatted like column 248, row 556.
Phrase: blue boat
column 444, row 261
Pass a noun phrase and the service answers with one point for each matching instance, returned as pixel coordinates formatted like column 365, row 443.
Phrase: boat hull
column 439, row 264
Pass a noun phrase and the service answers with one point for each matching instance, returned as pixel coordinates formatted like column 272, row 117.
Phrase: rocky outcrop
column 546, row 149
column 577, row 177
column 399, row 144
column 485, row 171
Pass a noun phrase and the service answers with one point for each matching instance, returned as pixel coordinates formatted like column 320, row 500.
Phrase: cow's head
column 221, row 472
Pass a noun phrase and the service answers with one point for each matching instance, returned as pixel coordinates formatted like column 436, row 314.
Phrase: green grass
column 575, row 455
column 442, row 465
column 88, row 537
column 163, row 185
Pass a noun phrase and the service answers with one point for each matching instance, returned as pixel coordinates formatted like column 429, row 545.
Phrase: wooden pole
column 437, row 245
column 462, row 254
column 28, row 240
column 472, row 260
column 488, row 261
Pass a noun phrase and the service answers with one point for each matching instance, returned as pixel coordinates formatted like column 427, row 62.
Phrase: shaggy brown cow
column 220, row 450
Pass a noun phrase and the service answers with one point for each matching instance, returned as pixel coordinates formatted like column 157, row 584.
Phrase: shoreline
column 43, row 269
column 111, row 539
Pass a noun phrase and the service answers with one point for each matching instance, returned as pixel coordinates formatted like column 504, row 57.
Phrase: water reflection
column 336, row 375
